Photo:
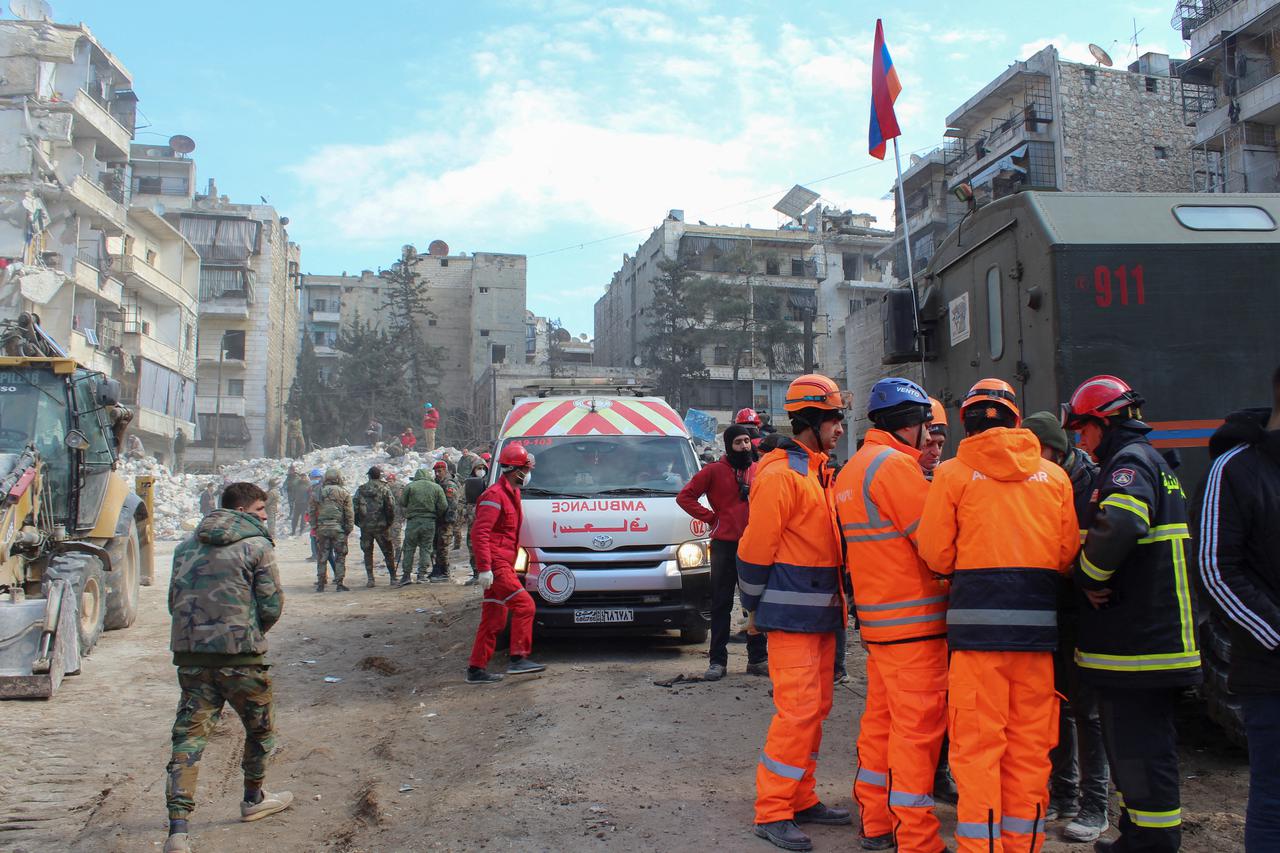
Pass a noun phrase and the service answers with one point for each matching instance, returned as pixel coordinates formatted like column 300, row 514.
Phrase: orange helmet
column 995, row 391
column 815, row 391
column 939, row 422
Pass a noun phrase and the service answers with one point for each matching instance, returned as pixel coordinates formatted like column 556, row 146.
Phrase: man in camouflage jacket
column 224, row 595
column 424, row 506
column 332, row 519
column 448, row 532
column 375, row 513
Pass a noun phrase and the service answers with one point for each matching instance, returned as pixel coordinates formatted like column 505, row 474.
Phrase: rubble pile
column 177, row 496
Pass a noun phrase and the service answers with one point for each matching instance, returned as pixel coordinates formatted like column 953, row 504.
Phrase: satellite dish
column 284, row 220
column 31, row 10
column 438, row 249
column 182, row 144
column 1101, row 55
column 637, row 361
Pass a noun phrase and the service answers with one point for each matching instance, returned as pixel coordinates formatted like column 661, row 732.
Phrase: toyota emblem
column 602, row 542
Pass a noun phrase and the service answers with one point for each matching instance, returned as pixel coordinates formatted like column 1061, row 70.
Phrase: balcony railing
column 160, row 186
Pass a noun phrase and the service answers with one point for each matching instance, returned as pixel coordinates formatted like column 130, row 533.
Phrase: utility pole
column 217, row 417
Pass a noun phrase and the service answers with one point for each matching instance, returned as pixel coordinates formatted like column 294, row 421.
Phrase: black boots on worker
column 784, row 834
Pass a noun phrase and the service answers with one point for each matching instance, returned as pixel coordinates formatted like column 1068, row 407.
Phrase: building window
column 235, row 387
column 484, row 333
column 317, row 338
column 499, row 353
column 995, row 316
column 431, row 322
column 771, row 266
column 1162, row 153
column 151, row 257
column 852, row 264
column 797, row 266
column 444, row 262
column 721, row 356
column 233, row 343
column 484, row 290
column 1090, row 77
column 1153, row 85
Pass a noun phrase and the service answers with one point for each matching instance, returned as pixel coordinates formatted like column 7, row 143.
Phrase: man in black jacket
column 1239, row 534
column 1137, row 629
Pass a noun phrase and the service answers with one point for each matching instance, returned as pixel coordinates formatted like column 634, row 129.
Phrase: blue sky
column 560, row 130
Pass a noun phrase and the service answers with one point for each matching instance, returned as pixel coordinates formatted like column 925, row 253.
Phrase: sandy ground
column 402, row 755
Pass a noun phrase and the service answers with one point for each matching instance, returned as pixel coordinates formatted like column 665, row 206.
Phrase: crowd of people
column 1027, row 611
column 1026, row 607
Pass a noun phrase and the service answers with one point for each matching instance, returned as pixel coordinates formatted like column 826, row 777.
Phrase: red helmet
column 747, row 416
column 440, row 463
column 486, row 456
column 515, row 456
column 1100, row 397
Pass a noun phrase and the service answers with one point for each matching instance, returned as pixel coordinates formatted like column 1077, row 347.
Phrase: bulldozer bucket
column 38, row 643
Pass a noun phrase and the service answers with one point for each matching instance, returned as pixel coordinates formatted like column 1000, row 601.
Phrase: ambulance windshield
column 605, row 465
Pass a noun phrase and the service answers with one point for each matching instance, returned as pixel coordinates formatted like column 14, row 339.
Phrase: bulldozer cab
column 63, row 412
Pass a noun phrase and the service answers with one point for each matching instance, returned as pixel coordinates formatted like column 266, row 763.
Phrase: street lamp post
column 217, row 417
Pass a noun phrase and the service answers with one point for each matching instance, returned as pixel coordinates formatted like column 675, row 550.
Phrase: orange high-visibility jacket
column 880, row 496
column 789, row 557
column 1001, row 522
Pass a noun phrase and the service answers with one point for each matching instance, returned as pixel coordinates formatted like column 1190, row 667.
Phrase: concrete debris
column 177, row 496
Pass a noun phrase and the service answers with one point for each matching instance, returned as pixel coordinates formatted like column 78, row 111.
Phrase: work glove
column 485, row 579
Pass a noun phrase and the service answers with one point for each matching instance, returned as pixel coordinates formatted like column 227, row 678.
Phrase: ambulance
column 604, row 545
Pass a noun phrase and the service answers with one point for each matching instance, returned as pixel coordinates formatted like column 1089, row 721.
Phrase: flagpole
column 911, row 274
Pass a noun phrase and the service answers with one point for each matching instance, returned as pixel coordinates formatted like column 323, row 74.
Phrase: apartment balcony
column 332, row 317
column 138, row 343
column 93, row 120
column 158, row 423
column 89, row 198
column 230, row 405
column 226, row 305
column 146, row 277
column 326, row 352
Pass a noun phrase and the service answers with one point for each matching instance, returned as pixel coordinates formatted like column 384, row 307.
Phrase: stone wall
column 1111, row 127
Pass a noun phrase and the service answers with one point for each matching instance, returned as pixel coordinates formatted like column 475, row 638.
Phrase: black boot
column 784, row 834
column 821, row 813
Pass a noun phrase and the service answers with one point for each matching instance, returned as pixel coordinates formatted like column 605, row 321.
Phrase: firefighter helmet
column 815, row 391
column 1101, row 397
column 747, row 416
column 515, row 456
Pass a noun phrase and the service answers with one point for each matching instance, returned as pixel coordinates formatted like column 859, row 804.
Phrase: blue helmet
column 316, row 473
column 893, row 392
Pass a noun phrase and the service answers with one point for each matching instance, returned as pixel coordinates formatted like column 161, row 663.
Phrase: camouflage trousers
column 205, row 689
column 369, row 539
column 331, row 548
column 445, row 535
column 397, row 539
column 419, row 534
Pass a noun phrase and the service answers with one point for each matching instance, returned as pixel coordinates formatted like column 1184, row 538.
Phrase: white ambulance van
column 604, row 545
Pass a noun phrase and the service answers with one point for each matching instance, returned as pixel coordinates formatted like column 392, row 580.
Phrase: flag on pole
column 884, row 91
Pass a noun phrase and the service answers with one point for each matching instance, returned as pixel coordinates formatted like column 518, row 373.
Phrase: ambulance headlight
column 522, row 561
column 694, row 555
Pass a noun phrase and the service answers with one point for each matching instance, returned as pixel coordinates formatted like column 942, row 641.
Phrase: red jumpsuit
column 494, row 540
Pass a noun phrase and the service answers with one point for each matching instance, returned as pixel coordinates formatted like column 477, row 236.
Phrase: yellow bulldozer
column 75, row 540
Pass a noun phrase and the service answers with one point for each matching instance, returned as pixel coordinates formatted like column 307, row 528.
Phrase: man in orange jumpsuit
column 1000, row 522
column 789, row 575
column 902, row 615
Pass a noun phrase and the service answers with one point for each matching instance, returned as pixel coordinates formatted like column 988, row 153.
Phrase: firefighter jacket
column 726, row 489
column 880, row 496
column 1239, row 534
column 789, row 558
column 495, row 533
column 1145, row 636
column 999, row 521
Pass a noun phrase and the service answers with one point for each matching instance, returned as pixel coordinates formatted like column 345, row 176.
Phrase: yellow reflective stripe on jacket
column 1184, row 595
column 1100, row 575
column 1155, row 820
column 1137, row 663
column 1165, row 533
column 1129, row 503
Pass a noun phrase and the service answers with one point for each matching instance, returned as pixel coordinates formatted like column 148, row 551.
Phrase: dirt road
column 402, row 755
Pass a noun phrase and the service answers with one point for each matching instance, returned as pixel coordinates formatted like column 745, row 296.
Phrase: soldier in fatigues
column 397, row 526
column 424, row 508
column 375, row 513
column 224, row 596
column 448, row 535
column 332, row 518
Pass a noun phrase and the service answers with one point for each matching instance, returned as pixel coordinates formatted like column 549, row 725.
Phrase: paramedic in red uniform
column 494, row 542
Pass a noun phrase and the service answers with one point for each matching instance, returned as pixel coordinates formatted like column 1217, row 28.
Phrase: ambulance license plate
column 585, row 617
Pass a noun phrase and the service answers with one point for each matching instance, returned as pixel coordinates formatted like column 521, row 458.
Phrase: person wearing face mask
column 495, row 538
column 726, row 483
column 902, row 616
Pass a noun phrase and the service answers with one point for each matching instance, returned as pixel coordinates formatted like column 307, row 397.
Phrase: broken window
column 771, row 266
column 233, row 344
column 852, row 264
column 797, row 266
column 499, row 353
